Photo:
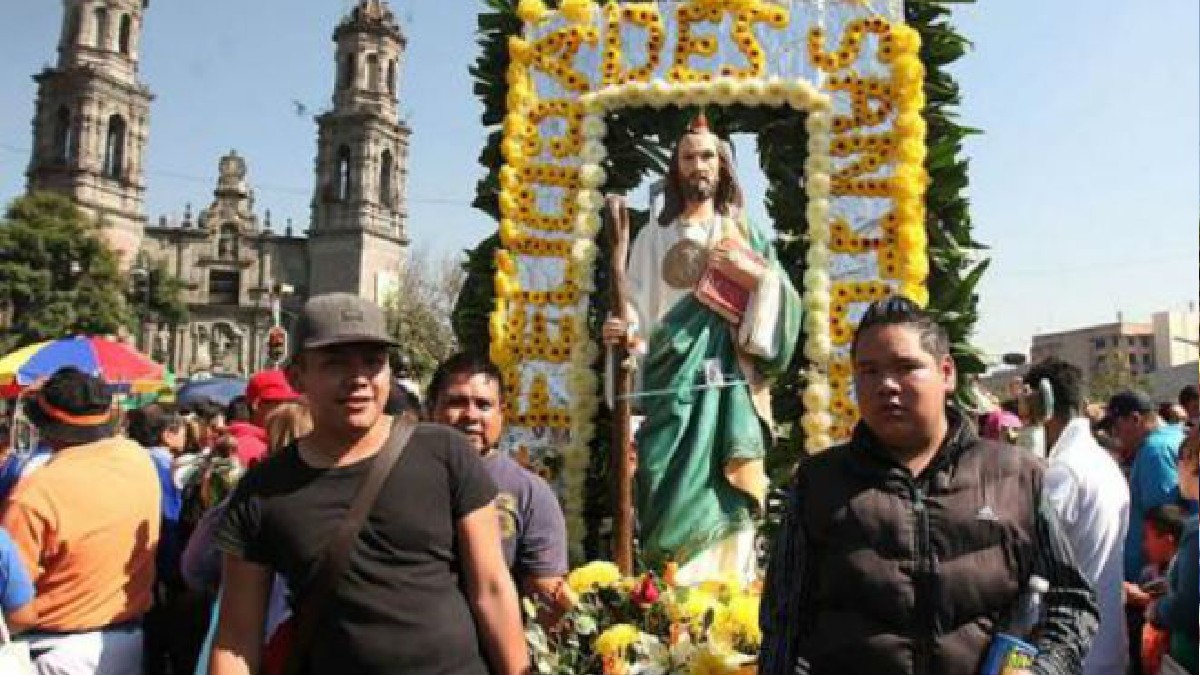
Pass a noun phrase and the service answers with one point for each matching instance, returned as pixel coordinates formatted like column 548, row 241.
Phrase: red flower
column 646, row 592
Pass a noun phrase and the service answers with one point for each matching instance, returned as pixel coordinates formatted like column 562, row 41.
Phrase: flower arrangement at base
column 647, row 626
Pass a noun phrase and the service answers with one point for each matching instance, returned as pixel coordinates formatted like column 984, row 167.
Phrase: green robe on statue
column 699, row 474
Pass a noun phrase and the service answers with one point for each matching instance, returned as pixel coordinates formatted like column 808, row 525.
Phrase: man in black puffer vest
column 906, row 549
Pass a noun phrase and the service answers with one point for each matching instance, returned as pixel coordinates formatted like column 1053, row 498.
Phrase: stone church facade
column 239, row 275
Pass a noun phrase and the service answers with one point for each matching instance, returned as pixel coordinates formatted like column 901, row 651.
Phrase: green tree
column 164, row 304
column 1113, row 374
column 418, row 313
column 57, row 277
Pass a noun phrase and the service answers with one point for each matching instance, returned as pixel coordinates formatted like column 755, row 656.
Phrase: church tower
column 90, row 125
column 358, row 239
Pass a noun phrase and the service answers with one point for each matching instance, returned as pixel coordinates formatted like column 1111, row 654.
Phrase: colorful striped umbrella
column 116, row 363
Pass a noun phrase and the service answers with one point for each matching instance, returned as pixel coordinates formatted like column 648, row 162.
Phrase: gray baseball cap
column 340, row 318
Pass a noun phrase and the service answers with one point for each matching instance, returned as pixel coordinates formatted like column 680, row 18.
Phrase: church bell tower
column 359, row 237
column 90, row 124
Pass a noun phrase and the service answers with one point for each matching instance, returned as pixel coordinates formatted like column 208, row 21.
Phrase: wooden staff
column 621, row 447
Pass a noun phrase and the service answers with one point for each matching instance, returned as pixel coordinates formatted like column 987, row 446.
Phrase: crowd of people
column 332, row 520
column 177, row 539
column 1118, row 477
column 905, row 549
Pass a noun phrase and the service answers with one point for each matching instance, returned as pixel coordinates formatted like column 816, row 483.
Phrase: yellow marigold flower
column 908, row 40
column 912, row 239
column 709, row 661
column 497, row 328
column 742, row 613
column 506, row 286
column 515, row 124
column 499, row 354
column 593, row 575
column 692, row 606
column 520, row 95
column 616, row 639
column 915, row 269
column 577, row 11
column 517, row 73
column 509, row 178
column 519, row 49
column 505, row 262
column 911, row 151
column 908, row 181
column 908, row 70
column 913, row 98
column 513, row 152
column 531, row 11
column 508, row 204
column 915, row 292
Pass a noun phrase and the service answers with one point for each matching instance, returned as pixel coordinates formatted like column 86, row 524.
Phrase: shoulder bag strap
column 337, row 553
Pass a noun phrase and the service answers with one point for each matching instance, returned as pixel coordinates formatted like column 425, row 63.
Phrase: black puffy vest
column 912, row 575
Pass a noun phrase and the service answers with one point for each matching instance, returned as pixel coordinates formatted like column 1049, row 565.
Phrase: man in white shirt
column 1091, row 497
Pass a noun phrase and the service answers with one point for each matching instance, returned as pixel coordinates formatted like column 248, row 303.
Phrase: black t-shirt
column 400, row 606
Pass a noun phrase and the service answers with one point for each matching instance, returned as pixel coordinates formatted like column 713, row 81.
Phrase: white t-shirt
column 1091, row 498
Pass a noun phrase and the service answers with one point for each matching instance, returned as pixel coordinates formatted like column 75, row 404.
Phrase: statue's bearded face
column 699, row 166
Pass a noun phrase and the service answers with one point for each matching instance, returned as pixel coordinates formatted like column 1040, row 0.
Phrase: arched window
column 373, row 72
column 348, row 68
column 114, row 147
column 342, row 177
column 124, row 34
column 74, row 22
column 391, row 76
column 227, row 242
column 64, row 140
column 385, row 178
column 101, row 15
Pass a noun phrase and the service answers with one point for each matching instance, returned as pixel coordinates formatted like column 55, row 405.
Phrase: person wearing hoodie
column 265, row 391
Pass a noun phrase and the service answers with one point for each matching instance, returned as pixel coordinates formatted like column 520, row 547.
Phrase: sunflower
column 593, row 575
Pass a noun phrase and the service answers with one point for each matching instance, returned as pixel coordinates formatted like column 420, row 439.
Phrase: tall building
column 90, row 134
column 1177, row 336
column 358, row 204
column 1159, row 355
column 1096, row 348
column 231, row 264
column 90, row 126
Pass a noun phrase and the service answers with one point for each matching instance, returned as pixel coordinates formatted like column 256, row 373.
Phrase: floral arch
column 585, row 96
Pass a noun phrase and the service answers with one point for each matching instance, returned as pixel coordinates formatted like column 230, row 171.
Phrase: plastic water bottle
column 1030, row 611
column 1013, row 649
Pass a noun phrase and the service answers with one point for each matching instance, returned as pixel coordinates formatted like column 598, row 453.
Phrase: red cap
column 269, row 386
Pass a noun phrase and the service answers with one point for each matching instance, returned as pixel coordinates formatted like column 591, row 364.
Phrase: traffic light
column 277, row 339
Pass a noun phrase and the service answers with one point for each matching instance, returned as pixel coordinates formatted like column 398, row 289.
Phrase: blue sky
column 1086, row 184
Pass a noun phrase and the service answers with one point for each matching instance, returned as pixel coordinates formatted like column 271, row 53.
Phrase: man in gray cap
column 425, row 589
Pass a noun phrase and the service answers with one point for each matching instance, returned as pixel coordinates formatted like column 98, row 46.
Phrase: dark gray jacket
column 880, row 572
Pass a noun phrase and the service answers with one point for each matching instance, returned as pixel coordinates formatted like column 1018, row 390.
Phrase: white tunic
column 1091, row 498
